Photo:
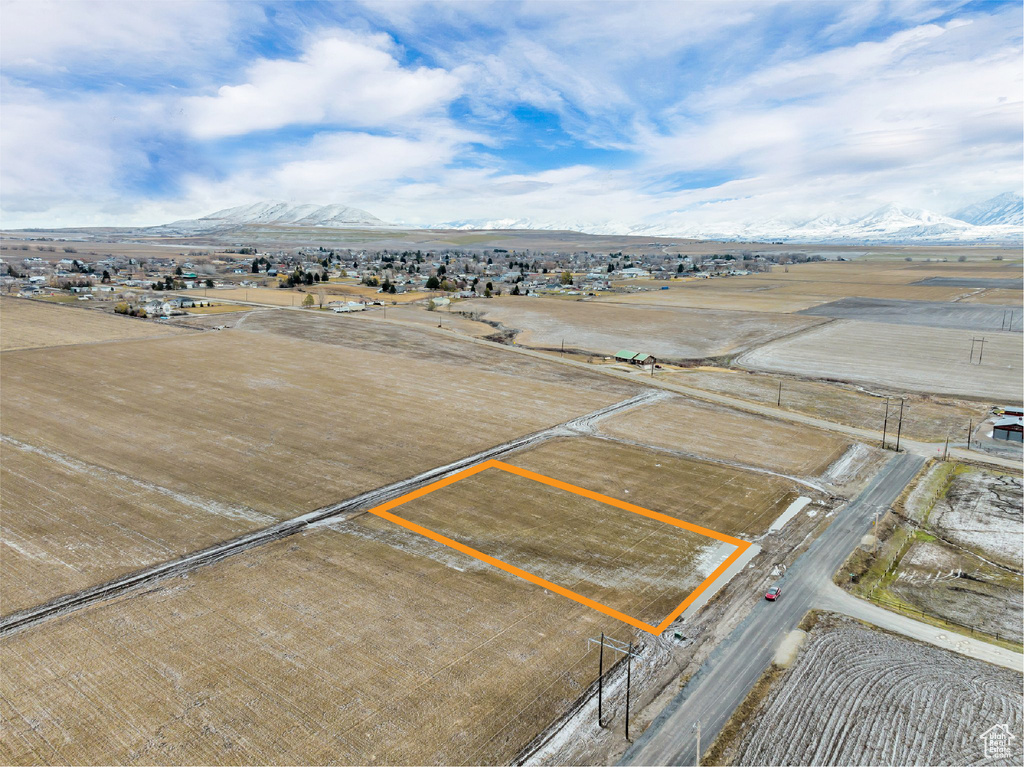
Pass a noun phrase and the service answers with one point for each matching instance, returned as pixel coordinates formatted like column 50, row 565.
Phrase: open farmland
column 898, row 357
column 962, row 563
column 728, row 435
column 639, row 566
column 32, row 324
column 861, row 696
column 929, row 313
column 333, row 291
column 925, row 418
column 273, row 427
column 974, row 282
column 739, row 294
column 362, row 642
column 69, row 524
column 368, row 645
column 1012, row 298
column 802, row 287
column 448, row 320
column 730, row 500
column 604, row 328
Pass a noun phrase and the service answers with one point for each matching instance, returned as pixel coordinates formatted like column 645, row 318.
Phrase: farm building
column 1010, row 427
column 635, row 358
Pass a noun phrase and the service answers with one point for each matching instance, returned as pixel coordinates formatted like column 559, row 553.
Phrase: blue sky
column 687, row 112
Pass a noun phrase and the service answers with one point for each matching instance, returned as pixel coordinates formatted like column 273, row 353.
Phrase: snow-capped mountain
column 999, row 219
column 890, row 223
column 1003, row 209
column 274, row 213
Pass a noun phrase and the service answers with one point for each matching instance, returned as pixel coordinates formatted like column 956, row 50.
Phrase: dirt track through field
column 147, row 576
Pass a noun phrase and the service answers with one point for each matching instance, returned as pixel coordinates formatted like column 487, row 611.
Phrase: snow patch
column 793, row 509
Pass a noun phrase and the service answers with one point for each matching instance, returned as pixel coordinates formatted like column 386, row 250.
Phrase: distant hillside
column 997, row 220
column 271, row 212
column 1003, row 209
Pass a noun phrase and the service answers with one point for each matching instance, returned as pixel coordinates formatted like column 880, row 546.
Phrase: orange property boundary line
column 383, row 511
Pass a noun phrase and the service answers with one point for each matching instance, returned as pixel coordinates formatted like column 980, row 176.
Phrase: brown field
column 727, row 499
column 26, row 324
column 219, row 309
column 249, row 426
column 69, row 524
column 272, row 296
column 723, row 294
column 925, row 418
column 418, row 315
column 728, row 435
column 997, row 296
column 363, row 643
column 294, row 297
column 803, row 286
column 605, row 328
column 899, row 357
column 862, row 696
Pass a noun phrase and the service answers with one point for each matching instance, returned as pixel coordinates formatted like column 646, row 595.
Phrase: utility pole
column 629, row 681
column 981, row 349
column 779, row 403
column 970, row 432
column 627, row 650
column 899, row 428
column 885, row 423
column 945, row 450
column 600, row 682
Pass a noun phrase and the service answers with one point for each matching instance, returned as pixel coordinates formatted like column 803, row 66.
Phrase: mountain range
column 999, row 219
column 271, row 213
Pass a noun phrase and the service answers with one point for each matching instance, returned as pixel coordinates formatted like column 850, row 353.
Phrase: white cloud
column 341, row 78
column 98, row 34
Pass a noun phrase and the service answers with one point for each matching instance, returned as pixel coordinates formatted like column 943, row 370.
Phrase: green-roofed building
column 635, row 358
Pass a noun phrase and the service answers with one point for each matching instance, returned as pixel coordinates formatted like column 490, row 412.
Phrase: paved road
column 737, row 663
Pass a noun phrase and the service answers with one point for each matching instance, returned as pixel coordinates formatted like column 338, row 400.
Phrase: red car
column 773, row 593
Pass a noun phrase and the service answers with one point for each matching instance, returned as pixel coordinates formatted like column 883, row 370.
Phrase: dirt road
column 869, row 436
column 835, row 599
column 147, row 576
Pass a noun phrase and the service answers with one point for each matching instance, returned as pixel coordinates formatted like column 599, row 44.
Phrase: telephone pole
column 899, row 428
column 970, row 432
column 981, row 349
column 779, row 403
column 600, row 682
column 885, row 423
column 945, row 450
column 629, row 682
column 628, row 651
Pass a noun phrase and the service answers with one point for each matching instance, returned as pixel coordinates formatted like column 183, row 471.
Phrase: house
column 635, row 358
column 1010, row 428
column 158, row 308
column 348, row 306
